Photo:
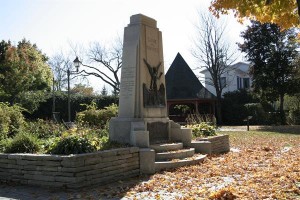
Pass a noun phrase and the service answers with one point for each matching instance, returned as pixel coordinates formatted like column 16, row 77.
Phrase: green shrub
column 11, row 120
column 237, row 105
column 31, row 100
column 202, row 130
column 76, row 100
column 4, row 123
column 17, row 121
column 49, row 143
column 294, row 117
column 23, row 143
column 96, row 117
column 256, row 110
column 4, row 143
column 44, row 129
column 73, row 145
column 106, row 144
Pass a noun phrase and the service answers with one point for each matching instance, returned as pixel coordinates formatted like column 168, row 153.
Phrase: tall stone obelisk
column 142, row 106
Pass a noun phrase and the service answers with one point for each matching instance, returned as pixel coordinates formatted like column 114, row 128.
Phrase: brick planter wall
column 72, row 171
column 219, row 144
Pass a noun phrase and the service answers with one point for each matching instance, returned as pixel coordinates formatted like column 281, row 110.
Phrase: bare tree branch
column 105, row 63
column 213, row 53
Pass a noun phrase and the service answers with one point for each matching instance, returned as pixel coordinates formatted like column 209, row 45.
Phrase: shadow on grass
column 280, row 129
column 114, row 190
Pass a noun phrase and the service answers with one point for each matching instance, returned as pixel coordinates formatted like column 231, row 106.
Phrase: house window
column 239, row 82
column 243, row 83
column 223, row 82
column 246, row 83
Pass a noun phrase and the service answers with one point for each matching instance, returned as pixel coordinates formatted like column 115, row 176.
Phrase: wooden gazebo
column 184, row 88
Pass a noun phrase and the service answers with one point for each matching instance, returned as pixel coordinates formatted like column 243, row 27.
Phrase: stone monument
column 142, row 117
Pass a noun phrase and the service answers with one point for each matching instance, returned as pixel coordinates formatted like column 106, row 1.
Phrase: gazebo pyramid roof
column 182, row 83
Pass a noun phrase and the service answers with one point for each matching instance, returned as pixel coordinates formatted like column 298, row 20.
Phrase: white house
column 236, row 77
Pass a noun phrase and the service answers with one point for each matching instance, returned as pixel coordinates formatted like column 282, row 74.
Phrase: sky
column 55, row 24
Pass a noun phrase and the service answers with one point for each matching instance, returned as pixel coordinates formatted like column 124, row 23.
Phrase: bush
column 31, row 100
column 4, row 143
column 257, row 111
column 4, row 123
column 201, row 118
column 202, row 130
column 294, row 117
column 73, row 145
column 44, row 129
column 107, row 144
column 237, row 105
column 77, row 101
column 11, row 120
column 95, row 117
column 23, row 143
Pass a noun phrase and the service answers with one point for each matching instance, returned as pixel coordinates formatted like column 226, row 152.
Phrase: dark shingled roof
column 182, row 83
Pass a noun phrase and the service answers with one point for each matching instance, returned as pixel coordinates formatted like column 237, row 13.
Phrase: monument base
column 143, row 132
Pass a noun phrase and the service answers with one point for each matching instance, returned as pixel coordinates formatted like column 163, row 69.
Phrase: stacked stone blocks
column 219, row 144
column 72, row 171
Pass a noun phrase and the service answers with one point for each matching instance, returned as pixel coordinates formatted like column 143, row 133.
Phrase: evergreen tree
column 104, row 91
column 271, row 52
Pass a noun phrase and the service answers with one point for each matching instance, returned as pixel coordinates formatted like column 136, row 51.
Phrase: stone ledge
column 180, row 163
column 70, row 171
column 203, row 147
column 218, row 144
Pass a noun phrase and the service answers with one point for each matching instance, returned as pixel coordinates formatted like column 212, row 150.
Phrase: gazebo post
column 196, row 106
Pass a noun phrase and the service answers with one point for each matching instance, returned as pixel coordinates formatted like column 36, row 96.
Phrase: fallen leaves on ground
column 263, row 165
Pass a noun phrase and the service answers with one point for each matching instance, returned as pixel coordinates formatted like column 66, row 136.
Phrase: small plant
column 183, row 108
column 4, row 143
column 94, row 117
column 198, row 118
column 44, row 129
column 106, row 144
column 11, row 120
column 73, row 145
column 202, row 130
column 23, row 143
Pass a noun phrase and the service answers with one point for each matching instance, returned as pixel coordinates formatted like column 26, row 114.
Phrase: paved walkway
column 9, row 191
column 232, row 128
column 13, row 191
column 295, row 129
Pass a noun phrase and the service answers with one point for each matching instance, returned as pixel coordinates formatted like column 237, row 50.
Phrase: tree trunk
column 12, row 100
column 282, row 114
column 219, row 107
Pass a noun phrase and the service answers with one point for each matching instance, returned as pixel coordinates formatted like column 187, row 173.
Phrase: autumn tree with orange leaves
column 285, row 13
column 23, row 73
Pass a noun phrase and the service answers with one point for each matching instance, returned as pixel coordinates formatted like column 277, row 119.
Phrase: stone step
column 162, row 165
column 178, row 154
column 166, row 147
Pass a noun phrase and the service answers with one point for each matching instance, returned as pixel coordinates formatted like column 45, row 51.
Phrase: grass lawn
column 261, row 165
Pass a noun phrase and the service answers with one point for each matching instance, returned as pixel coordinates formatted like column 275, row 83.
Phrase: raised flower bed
column 212, row 145
column 70, row 171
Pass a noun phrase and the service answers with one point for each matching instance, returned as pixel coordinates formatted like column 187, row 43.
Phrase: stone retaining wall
column 219, row 144
column 72, row 171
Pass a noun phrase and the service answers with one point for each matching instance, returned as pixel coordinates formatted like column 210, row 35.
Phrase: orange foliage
column 282, row 12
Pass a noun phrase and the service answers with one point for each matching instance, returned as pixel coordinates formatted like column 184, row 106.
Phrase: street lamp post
column 76, row 64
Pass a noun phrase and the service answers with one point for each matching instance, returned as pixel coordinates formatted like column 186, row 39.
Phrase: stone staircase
column 173, row 155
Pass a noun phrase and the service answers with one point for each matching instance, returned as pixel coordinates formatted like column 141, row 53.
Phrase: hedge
column 76, row 101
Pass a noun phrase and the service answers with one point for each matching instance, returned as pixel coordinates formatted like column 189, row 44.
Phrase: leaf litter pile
column 260, row 165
